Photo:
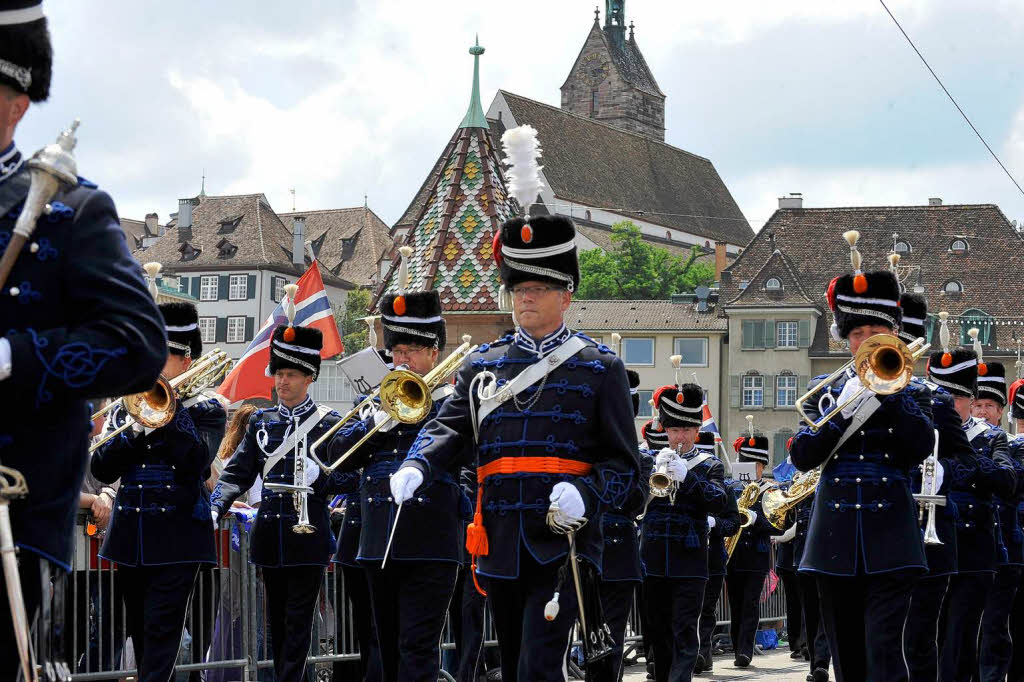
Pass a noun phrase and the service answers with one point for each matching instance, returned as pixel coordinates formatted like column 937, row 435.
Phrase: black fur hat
column 679, row 406
column 705, row 442
column 914, row 309
column 1017, row 399
column 854, row 301
column 543, row 249
column 758, row 452
column 992, row 383
column 634, row 383
column 956, row 371
column 301, row 352
column 656, row 438
column 182, row 322
column 26, row 55
column 413, row 317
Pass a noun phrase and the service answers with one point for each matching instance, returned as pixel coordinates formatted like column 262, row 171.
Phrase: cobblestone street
column 774, row 666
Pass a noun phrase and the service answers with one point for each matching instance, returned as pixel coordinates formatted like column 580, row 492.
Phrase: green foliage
column 354, row 333
column 635, row 269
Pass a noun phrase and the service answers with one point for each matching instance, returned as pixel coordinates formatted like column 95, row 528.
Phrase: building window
column 237, row 288
column 331, row 386
column 773, row 284
column 638, row 351
column 593, row 101
column 901, row 247
column 236, row 330
column 645, row 405
column 786, row 334
column 744, row 283
column 208, row 288
column 693, row 351
column 953, row 287
column 586, row 215
column 785, row 387
column 278, row 292
column 959, row 246
column 752, row 334
column 753, row 390
column 975, row 318
column 208, row 329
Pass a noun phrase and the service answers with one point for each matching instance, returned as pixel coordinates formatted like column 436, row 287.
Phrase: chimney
column 935, row 201
column 152, row 227
column 794, row 200
column 185, row 213
column 720, row 261
column 298, row 240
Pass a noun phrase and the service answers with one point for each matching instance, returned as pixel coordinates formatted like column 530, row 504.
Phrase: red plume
column 830, row 294
column 496, row 247
column 789, row 444
column 736, row 444
column 1014, row 388
column 657, row 395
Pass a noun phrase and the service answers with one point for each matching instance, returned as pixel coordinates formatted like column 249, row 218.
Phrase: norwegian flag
column 248, row 378
column 709, row 421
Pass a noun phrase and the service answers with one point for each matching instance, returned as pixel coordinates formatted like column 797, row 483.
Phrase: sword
column 391, row 537
column 13, row 486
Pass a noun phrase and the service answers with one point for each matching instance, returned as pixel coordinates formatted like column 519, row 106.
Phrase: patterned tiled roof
column 641, row 315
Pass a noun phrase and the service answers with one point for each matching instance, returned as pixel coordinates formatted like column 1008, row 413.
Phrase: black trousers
column 960, row 624
column 863, row 617
column 744, row 591
column 616, row 602
column 30, row 570
column 291, row 603
column 921, row 633
column 533, row 649
column 410, row 604
column 1016, row 673
column 673, row 610
column 156, row 600
column 357, row 593
column 466, row 617
column 996, row 646
column 709, row 617
column 817, row 641
column 794, row 610
column 205, row 598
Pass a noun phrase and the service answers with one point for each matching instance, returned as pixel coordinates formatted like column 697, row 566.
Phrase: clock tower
column 611, row 82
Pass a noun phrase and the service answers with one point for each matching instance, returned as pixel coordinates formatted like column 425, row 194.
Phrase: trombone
column 155, row 408
column 885, row 366
column 404, row 396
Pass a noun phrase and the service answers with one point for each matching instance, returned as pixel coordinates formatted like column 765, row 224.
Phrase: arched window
column 586, row 215
column 773, row 284
column 903, row 248
column 953, row 288
column 959, row 246
column 973, row 317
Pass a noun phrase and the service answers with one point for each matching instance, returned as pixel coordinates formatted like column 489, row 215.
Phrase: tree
column 354, row 332
column 636, row 269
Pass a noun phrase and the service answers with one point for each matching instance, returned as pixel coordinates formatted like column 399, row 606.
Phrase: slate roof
column 347, row 241
column 810, row 240
column 596, row 164
column 640, row 315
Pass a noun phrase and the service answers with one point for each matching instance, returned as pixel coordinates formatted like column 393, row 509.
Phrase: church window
column 593, row 102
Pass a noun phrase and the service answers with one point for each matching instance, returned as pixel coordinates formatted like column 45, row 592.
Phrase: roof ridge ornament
column 475, row 117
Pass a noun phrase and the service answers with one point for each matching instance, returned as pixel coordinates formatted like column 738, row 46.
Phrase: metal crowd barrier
column 226, row 635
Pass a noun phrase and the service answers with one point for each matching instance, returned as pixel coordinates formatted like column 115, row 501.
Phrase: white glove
column 382, row 417
column 404, row 483
column 137, row 428
column 571, row 509
column 673, row 463
column 785, row 537
column 215, row 517
column 711, row 522
column 940, row 473
column 753, row 517
column 312, row 472
column 852, row 386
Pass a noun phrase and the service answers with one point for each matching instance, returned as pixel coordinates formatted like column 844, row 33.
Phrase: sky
column 341, row 99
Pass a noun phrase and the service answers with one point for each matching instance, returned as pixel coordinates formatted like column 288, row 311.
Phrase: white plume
column 403, row 268
column 522, row 149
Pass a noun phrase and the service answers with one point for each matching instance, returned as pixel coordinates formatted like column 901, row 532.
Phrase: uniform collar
column 302, row 408
column 971, row 421
column 10, row 162
column 543, row 346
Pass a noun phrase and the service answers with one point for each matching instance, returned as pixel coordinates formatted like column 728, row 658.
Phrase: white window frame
column 626, row 341
column 907, row 248
column 752, row 386
column 234, row 293
column 278, row 288
column 205, row 292
column 646, row 411
column 795, row 336
column 776, row 287
column 233, row 326
column 787, row 390
column 959, row 287
column 208, row 329
column 704, row 343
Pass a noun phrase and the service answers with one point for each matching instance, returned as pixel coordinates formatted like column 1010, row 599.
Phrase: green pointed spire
column 474, row 117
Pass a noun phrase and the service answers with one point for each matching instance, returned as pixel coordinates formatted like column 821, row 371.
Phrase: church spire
column 474, row 117
column 615, row 20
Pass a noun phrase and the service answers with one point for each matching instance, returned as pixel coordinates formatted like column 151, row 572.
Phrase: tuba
column 777, row 503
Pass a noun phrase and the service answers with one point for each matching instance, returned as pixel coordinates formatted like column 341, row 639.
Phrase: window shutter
column 250, row 328
column 769, row 334
column 804, row 333
column 779, row 449
column 734, row 390
column 250, row 286
column 195, row 286
column 183, row 284
column 223, row 283
column 769, row 390
column 801, row 385
column 747, row 341
column 222, row 330
column 758, row 333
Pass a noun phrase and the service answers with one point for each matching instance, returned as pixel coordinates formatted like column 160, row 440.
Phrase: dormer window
column 953, row 288
column 773, row 284
column 901, row 247
column 225, row 249
column 229, row 224
column 959, row 246
column 188, row 252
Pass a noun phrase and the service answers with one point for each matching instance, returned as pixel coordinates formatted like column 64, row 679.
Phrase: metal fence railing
column 226, row 635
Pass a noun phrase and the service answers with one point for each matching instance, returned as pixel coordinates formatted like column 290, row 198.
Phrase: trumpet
column 663, row 485
column 885, row 366
column 929, row 499
column 404, row 396
column 155, row 408
column 298, row 488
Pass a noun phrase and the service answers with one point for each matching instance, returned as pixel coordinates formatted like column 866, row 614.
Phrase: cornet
column 663, row 485
column 928, row 499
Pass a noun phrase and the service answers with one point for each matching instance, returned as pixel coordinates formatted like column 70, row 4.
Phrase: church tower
column 611, row 82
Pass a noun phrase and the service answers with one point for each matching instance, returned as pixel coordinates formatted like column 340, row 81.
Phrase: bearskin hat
column 634, row 383
column 656, row 438
column 705, row 442
column 956, row 371
column 752, row 448
column 541, row 249
column 992, row 383
column 1017, row 399
column 864, row 298
column 679, row 406
column 412, row 317
column 914, row 309
column 26, row 55
column 181, row 320
column 301, row 352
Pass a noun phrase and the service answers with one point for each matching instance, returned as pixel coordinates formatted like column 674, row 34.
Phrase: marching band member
column 410, row 592
column 723, row 524
column 160, row 532
column 786, row 570
column 620, row 570
column 674, row 534
column 1016, row 452
column 814, row 633
column 654, row 439
column 291, row 562
column 77, row 323
column 976, row 531
column 751, row 560
column 955, row 462
column 554, row 433
column 863, row 546
column 995, row 646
